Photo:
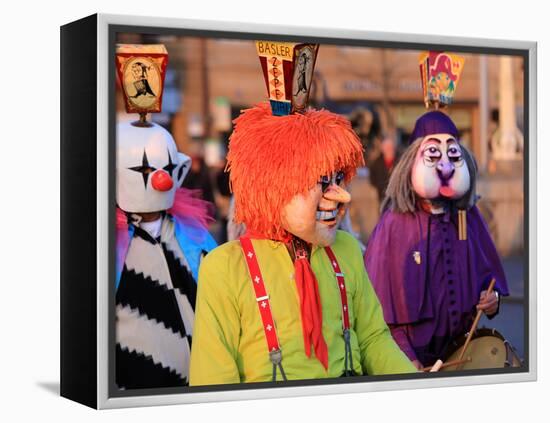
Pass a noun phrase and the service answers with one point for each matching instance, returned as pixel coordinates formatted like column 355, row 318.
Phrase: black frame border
column 78, row 211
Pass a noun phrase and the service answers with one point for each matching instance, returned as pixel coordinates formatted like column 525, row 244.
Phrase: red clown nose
column 161, row 181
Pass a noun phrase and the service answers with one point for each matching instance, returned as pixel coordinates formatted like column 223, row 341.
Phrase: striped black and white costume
column 155, row 302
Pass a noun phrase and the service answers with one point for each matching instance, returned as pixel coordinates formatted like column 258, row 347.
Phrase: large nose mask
column 440, row 169
column 445, row 170
column 444, row 155
column 334, row 196
column 161, row 179
column 149, row 168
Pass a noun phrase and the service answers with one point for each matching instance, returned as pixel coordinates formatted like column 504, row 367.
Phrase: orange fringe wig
column 273, row 158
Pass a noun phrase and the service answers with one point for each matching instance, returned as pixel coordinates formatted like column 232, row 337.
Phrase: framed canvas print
column 254, row 211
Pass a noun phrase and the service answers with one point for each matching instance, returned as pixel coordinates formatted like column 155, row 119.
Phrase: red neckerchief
column 310, row 305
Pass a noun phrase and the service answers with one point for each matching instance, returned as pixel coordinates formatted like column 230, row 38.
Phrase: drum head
column 487, row 350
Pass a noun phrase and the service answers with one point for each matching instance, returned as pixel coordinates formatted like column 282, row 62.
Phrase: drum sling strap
column 262, row 299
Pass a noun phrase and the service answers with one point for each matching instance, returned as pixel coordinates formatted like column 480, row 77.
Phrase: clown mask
column 314, row 216
column 149, row 168
column 439, row 171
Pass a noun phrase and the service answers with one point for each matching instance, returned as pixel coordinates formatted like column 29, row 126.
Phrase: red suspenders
column 348, row 371
column 262, row 299
column 341, row 287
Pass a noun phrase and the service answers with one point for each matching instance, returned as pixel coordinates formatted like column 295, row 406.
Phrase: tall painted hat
column 440, row 73
column 141, row 69
column 288, row 73
column 149, row 167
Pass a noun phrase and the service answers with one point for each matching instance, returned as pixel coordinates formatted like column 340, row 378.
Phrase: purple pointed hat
column 434, row 122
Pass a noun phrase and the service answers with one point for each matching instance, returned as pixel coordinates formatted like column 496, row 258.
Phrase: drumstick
column 476, row 321
column 447, row 364
column 436, row 366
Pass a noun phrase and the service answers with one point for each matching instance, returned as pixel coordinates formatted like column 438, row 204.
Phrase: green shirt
column 229, row 344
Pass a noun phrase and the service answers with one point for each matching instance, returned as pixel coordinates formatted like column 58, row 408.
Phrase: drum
column 487, row 350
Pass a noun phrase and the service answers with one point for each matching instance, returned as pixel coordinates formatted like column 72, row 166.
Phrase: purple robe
column 427, row 280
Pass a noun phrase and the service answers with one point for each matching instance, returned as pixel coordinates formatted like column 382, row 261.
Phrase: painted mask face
column 442, row 81
column 439, row 170
column 149, row 168
column 314, row 216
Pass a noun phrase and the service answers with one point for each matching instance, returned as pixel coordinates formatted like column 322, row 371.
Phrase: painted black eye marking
column 454, row 153
column 144, row 169
column 339, row 178
column 326, row 180
column 170, row 166
column 432, row 154
column 180, row 171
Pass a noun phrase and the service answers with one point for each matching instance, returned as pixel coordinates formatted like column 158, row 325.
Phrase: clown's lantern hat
column 141, row 69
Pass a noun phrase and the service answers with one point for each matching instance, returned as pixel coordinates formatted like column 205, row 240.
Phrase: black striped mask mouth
column 327, row 215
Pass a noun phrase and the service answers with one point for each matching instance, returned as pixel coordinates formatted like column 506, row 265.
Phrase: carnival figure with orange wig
column 291, row 298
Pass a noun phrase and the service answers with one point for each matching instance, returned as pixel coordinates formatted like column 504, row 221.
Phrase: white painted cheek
column 298, row 217
column 425, row 181
column 460, row 182
column 132, row 194
column 184, row 165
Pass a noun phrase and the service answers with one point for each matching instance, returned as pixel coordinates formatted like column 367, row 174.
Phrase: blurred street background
column 209, row 81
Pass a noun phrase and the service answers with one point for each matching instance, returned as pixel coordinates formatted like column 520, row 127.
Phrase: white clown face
column 315, row 215
column 439, row 170
column 149, row 168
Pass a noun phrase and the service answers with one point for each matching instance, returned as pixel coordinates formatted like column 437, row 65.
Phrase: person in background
column 366, row 124
column 199, row 176
column 381, row 167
